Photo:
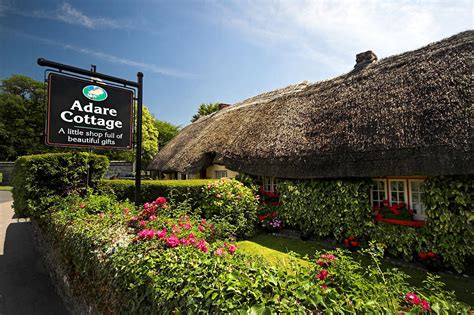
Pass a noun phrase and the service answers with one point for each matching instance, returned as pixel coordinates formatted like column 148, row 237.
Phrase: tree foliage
column 166, row 132
column 22, row 112
column 149, row 141
column 205, row 109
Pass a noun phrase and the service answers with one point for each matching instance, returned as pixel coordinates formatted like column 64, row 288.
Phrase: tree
column 22, row 111
column 149, row 141
column 205, row 109
column 166, row 132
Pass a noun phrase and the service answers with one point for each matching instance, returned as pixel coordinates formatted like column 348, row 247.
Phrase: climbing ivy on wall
column 339, row 208
column 327, row 208
column 450, row 225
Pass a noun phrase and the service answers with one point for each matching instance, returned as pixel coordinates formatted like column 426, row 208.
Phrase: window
column 192, row 176
column 378, row 193
column 220, row 174
column 416, row 199
column 269, row 184
column 397, row 191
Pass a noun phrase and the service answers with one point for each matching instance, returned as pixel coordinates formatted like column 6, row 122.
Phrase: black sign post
column 82, row 113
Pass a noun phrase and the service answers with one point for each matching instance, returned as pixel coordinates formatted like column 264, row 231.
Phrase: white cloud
column 332, row 32
column 66, row 13
column 141, row 66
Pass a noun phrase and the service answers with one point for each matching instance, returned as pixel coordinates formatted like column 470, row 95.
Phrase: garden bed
column 275, row 248
column 165, row 259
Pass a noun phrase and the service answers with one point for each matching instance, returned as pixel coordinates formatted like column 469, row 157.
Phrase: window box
column 412, row 223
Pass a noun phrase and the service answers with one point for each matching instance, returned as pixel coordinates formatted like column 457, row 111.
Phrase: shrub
column 120, row 269
column 178, row 190
column 372, row 290
column 400, row 240
column 449, row 229
column 228, row 200
column 326, row 208
column 39, row 179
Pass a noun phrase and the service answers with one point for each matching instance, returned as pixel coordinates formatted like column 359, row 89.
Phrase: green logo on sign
column 94, row 93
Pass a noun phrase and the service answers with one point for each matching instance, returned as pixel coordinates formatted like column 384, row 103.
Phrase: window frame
column 384, row 191
column 405, row 190
column 271, row 182
column 220, row 171
column 416, row 216
column 408, row 192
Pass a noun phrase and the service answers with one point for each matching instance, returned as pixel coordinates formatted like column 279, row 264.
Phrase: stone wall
column 6, row 168
column 119, row 167
column 58, row 273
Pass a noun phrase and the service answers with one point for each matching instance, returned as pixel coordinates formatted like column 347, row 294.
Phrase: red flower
column 386, row 203
column 423, row 255
column 354, row 243
column 82, row 205
column 413, row 298
column 426, row 306
column 322, row 275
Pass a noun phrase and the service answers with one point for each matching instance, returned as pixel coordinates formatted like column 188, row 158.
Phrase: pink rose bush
column 184, row 230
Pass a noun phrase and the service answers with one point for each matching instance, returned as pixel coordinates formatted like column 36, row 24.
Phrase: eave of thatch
column 409, row 114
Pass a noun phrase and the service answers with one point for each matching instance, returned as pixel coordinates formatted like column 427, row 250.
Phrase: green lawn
column 6, row 188
column 275, row 249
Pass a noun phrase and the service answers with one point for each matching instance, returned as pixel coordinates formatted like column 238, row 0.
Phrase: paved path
column 25, row 287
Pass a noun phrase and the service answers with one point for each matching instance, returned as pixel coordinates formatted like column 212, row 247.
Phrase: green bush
column 118, row 269
column 399, row 240
column 38, row 179
column 327, row 208
column 228, row 200
column 449, row 229
column 178, row 190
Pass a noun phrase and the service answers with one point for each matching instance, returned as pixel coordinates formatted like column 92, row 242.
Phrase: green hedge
column 327, row 208
column 178, row 190
column 337, row 209
column 38, row 179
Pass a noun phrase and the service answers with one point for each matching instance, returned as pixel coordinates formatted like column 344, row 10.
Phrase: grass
column 6, row 188
column 275, row 250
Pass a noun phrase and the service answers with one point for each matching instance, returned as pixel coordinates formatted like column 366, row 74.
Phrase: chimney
column 222, row 106
column 364, row 59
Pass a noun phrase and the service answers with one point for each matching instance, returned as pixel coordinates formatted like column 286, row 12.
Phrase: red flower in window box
column 397, row 211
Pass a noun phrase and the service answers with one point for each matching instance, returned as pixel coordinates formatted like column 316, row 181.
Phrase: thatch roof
column 410, row 114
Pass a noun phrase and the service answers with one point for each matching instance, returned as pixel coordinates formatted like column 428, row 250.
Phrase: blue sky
column 194, row 52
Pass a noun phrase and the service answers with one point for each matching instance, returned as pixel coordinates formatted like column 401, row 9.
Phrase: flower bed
column 165, row 258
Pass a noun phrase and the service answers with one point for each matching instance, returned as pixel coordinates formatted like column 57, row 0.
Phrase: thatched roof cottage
column 403, row 117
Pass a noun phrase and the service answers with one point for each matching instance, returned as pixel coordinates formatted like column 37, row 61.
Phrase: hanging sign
column 88, row 114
